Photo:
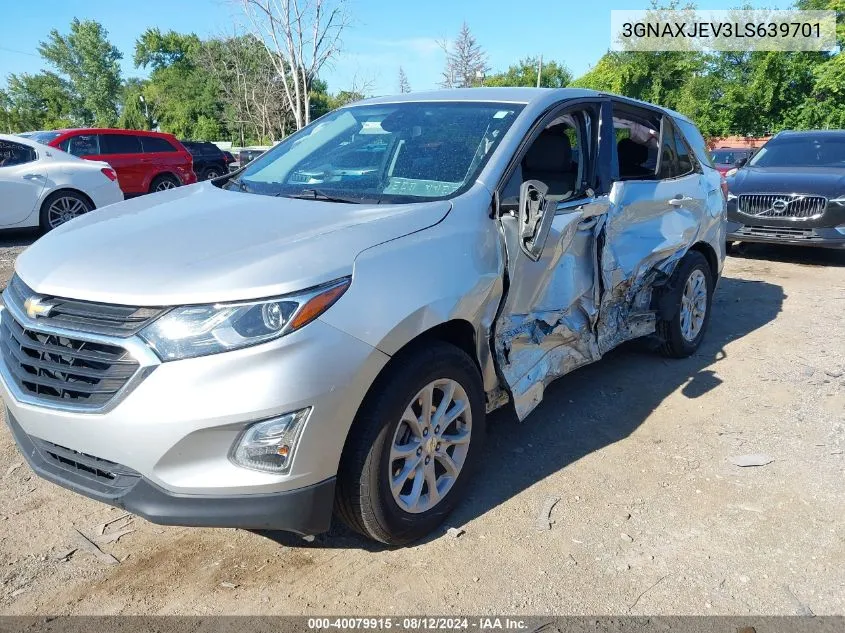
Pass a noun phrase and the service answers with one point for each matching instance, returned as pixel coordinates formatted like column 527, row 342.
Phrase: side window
column 686, row 163
column 156, row 144
column 12, row 154
column 637, row 149
column 558, row 158
column 119, row 144
column 668, row 153
column 82, row 145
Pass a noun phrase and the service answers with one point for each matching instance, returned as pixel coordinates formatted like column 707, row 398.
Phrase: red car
column 144, row 161
column 727, row 158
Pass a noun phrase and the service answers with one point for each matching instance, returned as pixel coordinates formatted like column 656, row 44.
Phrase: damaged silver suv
column 325, row 331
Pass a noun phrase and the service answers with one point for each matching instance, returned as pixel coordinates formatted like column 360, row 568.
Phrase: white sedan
column 43, row 186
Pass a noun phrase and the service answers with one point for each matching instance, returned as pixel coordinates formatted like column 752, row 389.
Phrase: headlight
column 731, row 196
column 731, row 172
column 199, row 330
column 840, row 201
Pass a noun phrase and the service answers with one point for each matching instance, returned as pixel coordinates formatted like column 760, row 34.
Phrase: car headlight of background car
column 839, row 201
column 198, row 330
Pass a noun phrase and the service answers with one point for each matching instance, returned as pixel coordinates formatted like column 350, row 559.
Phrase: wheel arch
column 710, row 255
column 62, row 189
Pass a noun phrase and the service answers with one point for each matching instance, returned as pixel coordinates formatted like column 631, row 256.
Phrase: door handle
column 32, row 176
column 679, row 201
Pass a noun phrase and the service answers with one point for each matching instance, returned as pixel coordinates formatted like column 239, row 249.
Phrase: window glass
column 823, row 150
column 119, row 144
column 668, row 153
column 636, row 133
column 43, row 137
column 400, row 152
column 82, row 145
column 156, row 144
column 557, row 158
column 685, row 161
column 12, row 154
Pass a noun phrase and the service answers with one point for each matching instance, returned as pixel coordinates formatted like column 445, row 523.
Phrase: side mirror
column 535, row 218
column 740, row 162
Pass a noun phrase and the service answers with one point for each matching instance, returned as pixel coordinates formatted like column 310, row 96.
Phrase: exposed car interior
column 636, row 145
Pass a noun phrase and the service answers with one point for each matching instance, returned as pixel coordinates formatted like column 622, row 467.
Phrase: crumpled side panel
column 642, row 245
column 546, row 327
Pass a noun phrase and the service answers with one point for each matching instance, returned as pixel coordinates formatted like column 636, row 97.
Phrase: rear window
column 156, row 144
column 42, row 137
column 120, row 144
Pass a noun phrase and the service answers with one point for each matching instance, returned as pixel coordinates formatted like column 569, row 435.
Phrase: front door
column 547, row 320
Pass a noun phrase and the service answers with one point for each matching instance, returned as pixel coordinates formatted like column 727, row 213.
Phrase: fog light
column 269, row 445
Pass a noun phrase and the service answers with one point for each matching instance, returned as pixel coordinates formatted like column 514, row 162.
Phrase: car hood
column 202, row 244
column 822, row 181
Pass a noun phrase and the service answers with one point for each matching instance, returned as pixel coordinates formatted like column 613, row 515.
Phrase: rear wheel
column 691, row 295
column 163, row 183
column 61, row 207
column 211, row 173
column 413, row 446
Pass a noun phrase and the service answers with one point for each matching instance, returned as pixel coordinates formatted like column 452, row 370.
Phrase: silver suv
column 326, row 330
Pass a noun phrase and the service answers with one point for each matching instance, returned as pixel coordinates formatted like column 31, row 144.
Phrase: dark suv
column 791, row 192
column 209, row 160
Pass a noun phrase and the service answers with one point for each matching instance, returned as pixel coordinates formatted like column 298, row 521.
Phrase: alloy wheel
column 430, row 446
column 165, row 184
column 64, row 209
column 693, row 305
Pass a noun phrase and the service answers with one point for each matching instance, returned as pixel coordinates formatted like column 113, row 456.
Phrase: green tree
column 524, row 73
column 89, row 62
column 40, row 101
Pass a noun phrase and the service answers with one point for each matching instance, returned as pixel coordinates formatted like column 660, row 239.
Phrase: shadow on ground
column 592, row 408
column 18, row 237
column 790, row 254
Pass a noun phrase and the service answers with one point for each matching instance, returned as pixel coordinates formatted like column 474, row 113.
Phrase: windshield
column 401, row 152
column 802, row 151
column 42, row 137
column 727, row 156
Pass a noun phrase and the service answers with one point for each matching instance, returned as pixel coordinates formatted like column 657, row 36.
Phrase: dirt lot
column 653, row 516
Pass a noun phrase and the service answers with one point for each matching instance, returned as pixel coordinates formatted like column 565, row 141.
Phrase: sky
column 383, row 36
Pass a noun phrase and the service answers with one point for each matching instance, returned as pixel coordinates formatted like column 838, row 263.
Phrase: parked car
column 728, row 158
column 246, row 156
column 231, row 162
column 256, row 352
column 209, row 160
column 43, row 186
column 791, row 192
column 144, row 161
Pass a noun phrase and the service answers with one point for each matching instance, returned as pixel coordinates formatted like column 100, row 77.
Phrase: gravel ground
column 653, row 517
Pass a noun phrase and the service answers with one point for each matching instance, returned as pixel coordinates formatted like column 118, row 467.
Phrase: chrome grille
column 59, row 369
column 781, row 205
column 85, row 316
column 791, row 233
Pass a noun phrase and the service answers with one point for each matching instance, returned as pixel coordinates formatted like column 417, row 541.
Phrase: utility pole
column 539, row 69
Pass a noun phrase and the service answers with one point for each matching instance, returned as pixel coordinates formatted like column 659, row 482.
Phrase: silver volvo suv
column 324, row 331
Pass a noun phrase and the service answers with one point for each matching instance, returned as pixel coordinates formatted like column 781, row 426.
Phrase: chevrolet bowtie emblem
column 36, row 306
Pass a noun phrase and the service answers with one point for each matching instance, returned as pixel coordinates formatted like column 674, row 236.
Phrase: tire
column 211, row 173
column 364, row 499
column 677, row 339
column 164, row 182
column 62, row 206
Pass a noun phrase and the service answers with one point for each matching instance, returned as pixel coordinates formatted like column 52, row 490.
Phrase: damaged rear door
column 551, row 216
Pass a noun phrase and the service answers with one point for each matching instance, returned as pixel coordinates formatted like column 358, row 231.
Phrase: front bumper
column 305, row 510
column 823, row 237
column 175, row 429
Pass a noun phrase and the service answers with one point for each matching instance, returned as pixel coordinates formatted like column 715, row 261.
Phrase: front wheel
column 690, row 292
column 413, row 446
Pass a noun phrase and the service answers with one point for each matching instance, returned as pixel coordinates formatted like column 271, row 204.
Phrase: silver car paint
column 413, row 266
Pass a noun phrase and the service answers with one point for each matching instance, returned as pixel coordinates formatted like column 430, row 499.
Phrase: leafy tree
column 89, row 62
column 404, row 85
column 466, row 61
column 133, row 114
column 40, row 101
column 524, row 73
